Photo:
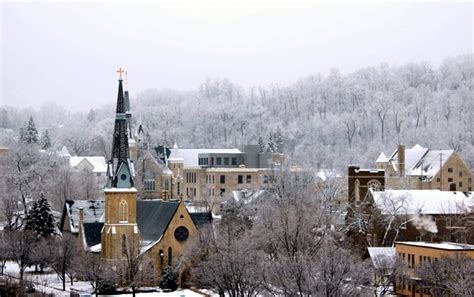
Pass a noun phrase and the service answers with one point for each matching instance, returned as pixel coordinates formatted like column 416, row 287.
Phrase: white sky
column 68, row 52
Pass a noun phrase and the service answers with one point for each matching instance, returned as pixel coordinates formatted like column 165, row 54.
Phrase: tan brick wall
column 181, row 218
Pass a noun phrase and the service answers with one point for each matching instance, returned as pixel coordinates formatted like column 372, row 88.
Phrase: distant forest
column 326, row 121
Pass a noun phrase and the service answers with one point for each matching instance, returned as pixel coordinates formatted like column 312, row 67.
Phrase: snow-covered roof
column 191, row 156
column 97, row 162
column 420, row 161
column 382, row 158
column 423, row 201
column 324, row 174
column 64, row 152
column 93, row 212
column 442, row 245
column 382, row 257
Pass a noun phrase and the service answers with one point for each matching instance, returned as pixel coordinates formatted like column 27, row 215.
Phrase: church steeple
column 120, row 168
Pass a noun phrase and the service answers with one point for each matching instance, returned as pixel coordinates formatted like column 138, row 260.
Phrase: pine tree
column 45, row 141
column 261, row 144
column 271, row 144
column 169, row 280
column 30, row 132
column 279, row 141
column 40, row 218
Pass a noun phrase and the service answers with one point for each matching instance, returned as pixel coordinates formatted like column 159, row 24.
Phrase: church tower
column 120, row 235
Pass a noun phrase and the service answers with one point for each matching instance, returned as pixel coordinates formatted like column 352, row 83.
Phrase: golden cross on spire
column 120, row 71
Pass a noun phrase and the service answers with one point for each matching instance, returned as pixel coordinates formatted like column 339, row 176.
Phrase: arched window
column 170, row 256
column 374, row 185
column 123, row 211
column 357, row 190
column 149, row 181
column 124, row 245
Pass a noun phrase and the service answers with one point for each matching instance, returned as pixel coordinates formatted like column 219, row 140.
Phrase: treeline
column 325, row 121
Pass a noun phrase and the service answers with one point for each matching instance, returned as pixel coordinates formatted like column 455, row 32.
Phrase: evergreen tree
column 45, row 141
column 30, row 132
column 271, row 144
column 22, row 134
column 279, row 141
column 91, row 115
column 261, row 144
column 40, row 218
column 169, row 280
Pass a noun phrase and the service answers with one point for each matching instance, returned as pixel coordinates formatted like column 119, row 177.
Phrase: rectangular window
column 149, row 185
column 222, row 179
column 438, row 179
column 450, row 179
column 212, row 161
column 218, row 161
column 249, row 179
column 418, row 238
column 450, row 169
column 226, row 161
column 469, row 180
column 222, row 191
column 469, row 189
column 240, row 179
column 460, row 173
column 460, row 184
column 234, row 161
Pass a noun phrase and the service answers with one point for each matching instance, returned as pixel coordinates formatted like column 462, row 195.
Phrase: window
column 418, row 238
column 469, row 189
column 218, row 161
column 226, row 161
column 265, row 179
column 460, row 173
column 149, row 181
column 123, row 211
column 249, row 179
column 357, row 190
column 240, row 179
column 170, row 256
column 438, row 179
column 450, row 169
column 222, row 179
column 450, row 179
column 178, row 188
column 448, row 222
column 222, row 191
column 212, row 161
column 234, row 161
column 191, row 177
column 98, row 173
column 124, row 245
column 460, row 184
column 469, row 180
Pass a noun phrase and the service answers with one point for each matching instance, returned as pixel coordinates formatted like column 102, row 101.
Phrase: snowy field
column 50, row 283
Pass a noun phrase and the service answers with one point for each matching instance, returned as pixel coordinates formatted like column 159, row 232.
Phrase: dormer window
column 123, row 211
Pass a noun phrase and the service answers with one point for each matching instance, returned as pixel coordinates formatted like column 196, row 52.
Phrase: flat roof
column 453, row 246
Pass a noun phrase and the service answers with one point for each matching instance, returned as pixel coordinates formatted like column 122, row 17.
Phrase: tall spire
column 120, row 169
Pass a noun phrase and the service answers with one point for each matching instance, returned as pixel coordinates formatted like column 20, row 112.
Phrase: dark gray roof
column 154, row 216
column 92, row 233
column 93, row 212
column 201, row 218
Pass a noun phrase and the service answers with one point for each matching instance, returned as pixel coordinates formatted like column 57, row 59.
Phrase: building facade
column 420, row 168
column 413, row 254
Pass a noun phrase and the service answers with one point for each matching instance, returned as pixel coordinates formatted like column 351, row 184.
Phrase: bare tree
column 63, row 257
column 91, row 268
column 448, row 275
column 23, row 244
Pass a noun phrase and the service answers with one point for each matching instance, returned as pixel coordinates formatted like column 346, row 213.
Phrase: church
column 122, row 225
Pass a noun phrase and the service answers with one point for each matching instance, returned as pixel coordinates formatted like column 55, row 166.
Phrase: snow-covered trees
column 169, row 280
column 40, row 218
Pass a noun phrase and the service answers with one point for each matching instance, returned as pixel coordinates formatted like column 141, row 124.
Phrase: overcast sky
column 69, row 52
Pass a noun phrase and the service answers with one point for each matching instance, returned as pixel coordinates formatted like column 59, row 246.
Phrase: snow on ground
column 48, row 282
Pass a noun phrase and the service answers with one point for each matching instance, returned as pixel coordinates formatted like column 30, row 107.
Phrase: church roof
column 153, row 217
column 93, row 212
column 92, row 233
column 201, row 218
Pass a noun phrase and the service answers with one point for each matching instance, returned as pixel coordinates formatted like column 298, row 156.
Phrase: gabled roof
column 201, row 218
column 92, row 233
column 93, row 212
column 153, row 217
column 420, row 161
column 97, row 162
column 423, row 201
column 382, row 158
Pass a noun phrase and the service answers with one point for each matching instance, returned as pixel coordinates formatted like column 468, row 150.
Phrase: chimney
column 81, row 216
column 401, row 160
